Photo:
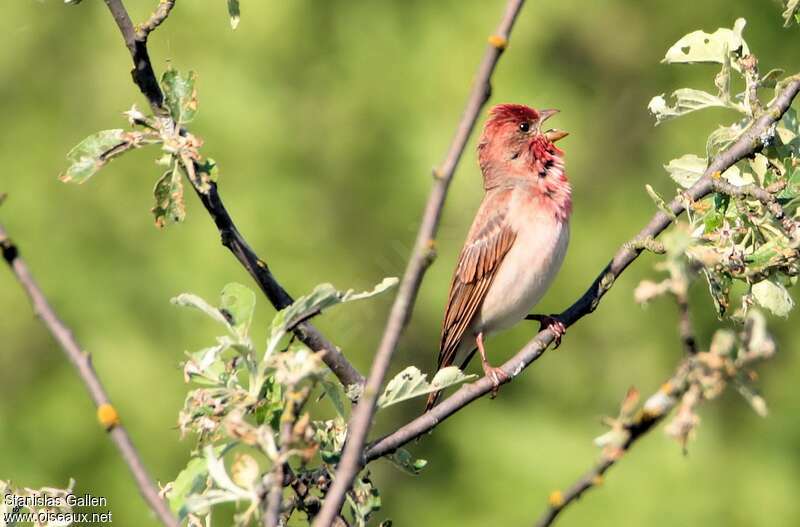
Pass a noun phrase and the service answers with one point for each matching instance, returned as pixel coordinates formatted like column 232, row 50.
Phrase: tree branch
column 159, row 15
column 107, row 414
column 145, row 79
column 421, row 258
column 751, row 141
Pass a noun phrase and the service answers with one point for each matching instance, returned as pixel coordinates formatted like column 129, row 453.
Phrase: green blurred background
column 326, row 118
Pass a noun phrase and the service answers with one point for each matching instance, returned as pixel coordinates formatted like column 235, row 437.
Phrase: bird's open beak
column 553, row 134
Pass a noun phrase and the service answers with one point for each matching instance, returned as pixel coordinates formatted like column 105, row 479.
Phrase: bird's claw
column 497, row 376
column 552, row 323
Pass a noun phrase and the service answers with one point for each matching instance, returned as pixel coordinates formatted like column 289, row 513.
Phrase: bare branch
column 107, row 414
column 421, row 258
column 749, row 143
column 145, row 79
column 156, row 19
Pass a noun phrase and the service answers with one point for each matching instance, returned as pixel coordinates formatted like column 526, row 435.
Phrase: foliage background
column 325, row 119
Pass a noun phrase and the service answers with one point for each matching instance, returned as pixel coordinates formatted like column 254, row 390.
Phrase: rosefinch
column 517, row 241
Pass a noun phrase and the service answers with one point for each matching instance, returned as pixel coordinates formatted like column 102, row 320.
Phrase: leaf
column 191, row 480
column 180, row 95
column 168, row 192
column 91, row 154
column 402, row 459
column 700, row 46
column 190, row 300
column 792, row 8
column 322, row 297
column 773, row 296
column 719, row 285
column 722, row 138
column 234, row 13
column 687, row 169
column 334, row 392
column 237, row 304
column 659, row 201
column 411, row 383
column 685, row 100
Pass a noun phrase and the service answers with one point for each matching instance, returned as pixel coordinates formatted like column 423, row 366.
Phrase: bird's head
column 515, row 145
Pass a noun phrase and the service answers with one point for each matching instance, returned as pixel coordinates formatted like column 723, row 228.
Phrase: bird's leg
column 552, row 323
column 496, row 375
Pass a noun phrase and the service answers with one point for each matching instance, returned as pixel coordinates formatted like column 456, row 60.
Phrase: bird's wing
column 489, row 239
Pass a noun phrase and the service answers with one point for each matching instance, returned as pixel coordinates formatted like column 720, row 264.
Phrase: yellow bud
column 555, row 499
column 498, row 41
column 108, row 416
column 597, row 480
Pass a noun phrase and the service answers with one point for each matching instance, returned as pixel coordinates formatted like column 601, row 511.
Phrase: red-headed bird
column 517, row 241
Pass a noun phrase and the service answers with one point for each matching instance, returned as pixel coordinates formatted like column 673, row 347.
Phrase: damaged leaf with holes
column 169, row 206
column 180, row 95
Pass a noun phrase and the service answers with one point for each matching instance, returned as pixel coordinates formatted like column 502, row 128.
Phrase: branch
column 107, row 414
column 421, row 258
column 145, row 79
column 159, row 15
column 749, row 143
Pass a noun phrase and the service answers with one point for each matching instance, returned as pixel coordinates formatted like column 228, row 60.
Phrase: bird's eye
column 525, row 126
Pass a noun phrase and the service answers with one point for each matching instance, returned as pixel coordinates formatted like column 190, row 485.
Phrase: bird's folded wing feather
column 489, row 239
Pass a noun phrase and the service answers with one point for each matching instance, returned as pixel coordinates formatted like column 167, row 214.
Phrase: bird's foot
column 496, row 375
column 553, row 323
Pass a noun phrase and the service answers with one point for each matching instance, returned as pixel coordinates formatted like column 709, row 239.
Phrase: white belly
column 525, row 274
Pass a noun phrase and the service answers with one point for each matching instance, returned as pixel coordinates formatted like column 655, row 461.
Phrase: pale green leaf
column 335, row 393
column 91, row 154
column 687, row 169
column 237, row 304
column 168, row 193
column 659, row 201
column 411, row 383
column 700, row 46
column 684, row 101
column 773, row 296
column 792, row 8
column 191, row 480
column 180, row 95
column 190, row 300
column 322, row 297
column 722, row 138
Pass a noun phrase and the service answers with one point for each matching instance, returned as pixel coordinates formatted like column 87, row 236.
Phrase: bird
column 517, row 241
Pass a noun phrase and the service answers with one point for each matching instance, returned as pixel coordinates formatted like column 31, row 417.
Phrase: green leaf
column 687, row 169
column 190, row 300
column 773, row 296
column 191, row 480
column 700, row 46
column 722, row 138
column 180, row 95
column 168, row 193
column 792, row 189
column 334, row 392
column 234, row 13
column 402, row 459
column 792, row 8
column 659, row 201
column 684, row 101
column 237, row 304
column 719, row 285
column 91, row 154
column 322, row 297
column 411, row 383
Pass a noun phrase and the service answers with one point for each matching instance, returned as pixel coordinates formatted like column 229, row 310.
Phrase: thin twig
column 420, row 260
column 749, row 143
column 83, row 364
column 159, row 15
column 145, row 79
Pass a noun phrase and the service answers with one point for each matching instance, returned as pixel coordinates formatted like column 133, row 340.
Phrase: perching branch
column 159, row 15
column 145, row 79
column 751, row 141
column 421, row 258
column 106, row 413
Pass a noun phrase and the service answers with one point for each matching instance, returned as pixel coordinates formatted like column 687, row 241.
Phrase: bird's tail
column 433, row 398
